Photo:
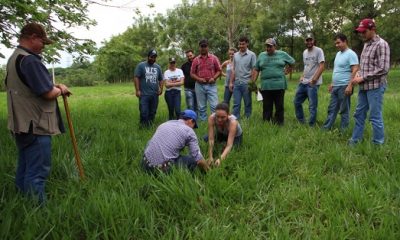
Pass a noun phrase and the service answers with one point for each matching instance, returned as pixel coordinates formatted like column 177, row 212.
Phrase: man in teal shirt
column 344, row 70
column 273, row 65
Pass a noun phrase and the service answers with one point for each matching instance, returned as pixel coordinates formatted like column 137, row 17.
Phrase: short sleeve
column 138, row 70
column 321, row 56
column 36, row 75
column 353, row 59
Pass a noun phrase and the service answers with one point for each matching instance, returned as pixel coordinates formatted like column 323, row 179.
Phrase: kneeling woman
column 222, row 127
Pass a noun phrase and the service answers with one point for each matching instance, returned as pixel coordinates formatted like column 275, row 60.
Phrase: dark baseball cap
column 172, row 60
column 309, row 36
column 37, row 29
column 152, row 53
column 365, row 24
column 191, row 115
column 203, row 42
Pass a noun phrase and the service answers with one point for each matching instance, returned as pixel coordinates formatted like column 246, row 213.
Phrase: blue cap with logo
column 190, row 114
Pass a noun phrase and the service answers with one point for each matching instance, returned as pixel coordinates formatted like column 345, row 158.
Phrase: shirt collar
column 207, row 56
column 245, row 53
column 374, row 39
column 29, row 51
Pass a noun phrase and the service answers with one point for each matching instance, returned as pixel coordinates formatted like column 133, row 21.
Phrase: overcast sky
column 111, row 21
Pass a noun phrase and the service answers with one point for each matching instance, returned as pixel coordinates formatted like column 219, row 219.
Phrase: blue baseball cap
column 190, row 114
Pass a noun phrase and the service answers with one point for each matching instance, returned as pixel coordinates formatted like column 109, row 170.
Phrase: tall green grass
column 290, row 182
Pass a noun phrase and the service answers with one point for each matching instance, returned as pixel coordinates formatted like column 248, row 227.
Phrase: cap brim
column 360, row 29
column 47, row 41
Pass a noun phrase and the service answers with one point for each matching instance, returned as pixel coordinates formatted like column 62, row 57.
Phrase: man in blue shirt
column 33, row 113
column 149, row 85
column 344, row 70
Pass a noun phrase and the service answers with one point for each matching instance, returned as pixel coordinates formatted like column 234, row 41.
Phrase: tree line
column 222, row 22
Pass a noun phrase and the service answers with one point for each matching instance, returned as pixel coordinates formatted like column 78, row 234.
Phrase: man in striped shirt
column 372, row 79
column 163, row 149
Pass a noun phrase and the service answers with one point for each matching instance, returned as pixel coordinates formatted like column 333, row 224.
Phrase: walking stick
column 73, row 139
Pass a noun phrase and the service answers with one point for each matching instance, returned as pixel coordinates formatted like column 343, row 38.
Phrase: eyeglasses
column 269, row 46
column 203, row 46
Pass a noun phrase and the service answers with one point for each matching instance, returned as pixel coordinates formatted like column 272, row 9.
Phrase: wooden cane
column 73, row 139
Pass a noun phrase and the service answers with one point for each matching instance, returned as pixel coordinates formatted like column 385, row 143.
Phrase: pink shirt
column 206, row 66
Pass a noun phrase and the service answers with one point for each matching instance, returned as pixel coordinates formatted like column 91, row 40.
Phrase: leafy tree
column 56, row 15
column 117, row 59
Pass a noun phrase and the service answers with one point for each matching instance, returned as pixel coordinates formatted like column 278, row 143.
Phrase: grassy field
column 291, row 182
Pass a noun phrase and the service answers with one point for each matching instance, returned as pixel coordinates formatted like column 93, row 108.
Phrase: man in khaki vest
column 33, row 113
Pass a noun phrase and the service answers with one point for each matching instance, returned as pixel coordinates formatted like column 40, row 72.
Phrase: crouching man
column 163, row 149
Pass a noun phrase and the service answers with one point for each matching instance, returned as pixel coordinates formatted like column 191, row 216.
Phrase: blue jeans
column 148, row 107
column 306, row 91
column 173, row 99
column 182, row 162
column 239, row 92
column 340, row 103
column 34, row 163
column 206, row 92
column 191, row 100
column 371, row 100
column 227, row 95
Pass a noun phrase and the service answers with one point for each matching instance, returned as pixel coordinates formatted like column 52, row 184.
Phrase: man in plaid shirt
column 205, row 70
column 163, row 149
column 372, row 79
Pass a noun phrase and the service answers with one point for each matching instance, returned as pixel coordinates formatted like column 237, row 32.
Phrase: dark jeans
column 34, row 163
column 148, row 107
column 182, row 162
column 271, row 97
column 227, row 95
column 173, row 100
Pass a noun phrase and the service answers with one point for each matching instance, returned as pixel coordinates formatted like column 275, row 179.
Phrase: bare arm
column 203, row 165
column 231, row 138
column 223, row 66
column 254, row 75
column 136, row 82
column 58, row 89
column 160, row 87
column 210, row 138
column 349, row 89
column 318, row 73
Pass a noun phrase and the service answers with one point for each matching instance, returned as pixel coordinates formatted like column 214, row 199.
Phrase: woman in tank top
column 227, row 65
column 222, row 127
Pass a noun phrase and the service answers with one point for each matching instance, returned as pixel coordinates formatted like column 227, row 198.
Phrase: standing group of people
column 244, row 68
column 34, row 116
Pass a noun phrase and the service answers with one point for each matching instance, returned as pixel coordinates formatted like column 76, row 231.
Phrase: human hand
column 138, row 93
column 349, row 90
column 217, row 162
column 231, row 87
column 330, row 87
column 64, row 89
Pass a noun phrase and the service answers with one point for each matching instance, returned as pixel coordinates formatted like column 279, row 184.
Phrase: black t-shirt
column 189, row 82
